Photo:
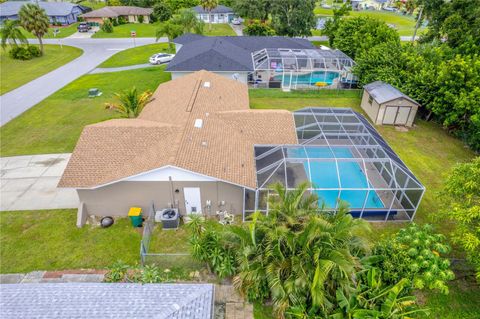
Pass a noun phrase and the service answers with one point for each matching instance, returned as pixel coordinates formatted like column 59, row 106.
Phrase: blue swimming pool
column 324, row 175
column 309, row 79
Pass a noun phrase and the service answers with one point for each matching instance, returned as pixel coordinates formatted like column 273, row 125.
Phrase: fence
column 161, row 259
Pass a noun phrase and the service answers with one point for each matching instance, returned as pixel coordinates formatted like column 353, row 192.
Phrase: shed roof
column 226, row 53
column 165, row 134
column 218, row 9
column 11, row 8
column 116, row 11
column 101, row 300
column 383, row 92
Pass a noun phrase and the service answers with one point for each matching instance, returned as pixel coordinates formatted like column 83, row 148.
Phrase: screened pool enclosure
column 302, row 68
column 346, row 162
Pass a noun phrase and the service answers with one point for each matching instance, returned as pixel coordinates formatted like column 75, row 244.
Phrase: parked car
column 237, row 21
column 391, row 9
column 160, row 58
column 83, row 27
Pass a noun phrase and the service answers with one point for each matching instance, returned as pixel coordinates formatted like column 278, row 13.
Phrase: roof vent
column 204, row 144
column 206, row 84
column 198, row 123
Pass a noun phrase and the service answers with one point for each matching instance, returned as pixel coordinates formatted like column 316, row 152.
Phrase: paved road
column 95, row 52
column 30, row 183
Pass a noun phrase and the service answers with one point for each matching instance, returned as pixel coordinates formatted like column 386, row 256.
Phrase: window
column 370, row 99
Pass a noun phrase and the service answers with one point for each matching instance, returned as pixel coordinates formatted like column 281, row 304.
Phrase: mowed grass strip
column 137, row 55
column 54, row 125
column 64, row 31
column 16, row 73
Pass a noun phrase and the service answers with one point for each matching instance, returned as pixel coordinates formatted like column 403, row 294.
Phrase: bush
column 121, row 20
column 161, row 11
column 34, row 51
column 415, row 253
column 140, row 19
column 259, row 28
column 24, row 53
column 107, row 26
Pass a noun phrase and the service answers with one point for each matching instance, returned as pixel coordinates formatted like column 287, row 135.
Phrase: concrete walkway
column 95, row 51
column 54, row 276
column 237, row 28
column 122, row 68
column 30, row 183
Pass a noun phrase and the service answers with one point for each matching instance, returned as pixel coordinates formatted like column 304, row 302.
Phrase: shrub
column 34, row 51
column 161, row 11
column 140, row 19
column 107, row 26
column 259, row 28
column 121, row 20
column 20, row 53
column 415, row 253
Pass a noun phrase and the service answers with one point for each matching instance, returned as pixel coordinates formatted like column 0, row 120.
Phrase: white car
column 237, row 21
column 160, row 58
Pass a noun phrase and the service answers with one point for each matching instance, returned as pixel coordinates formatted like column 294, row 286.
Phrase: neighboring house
column 57, row 12
column 386, row 105
column 199, row 148
column 271, row 62
column 107, row 300
column 130, row 14
column 220, row 14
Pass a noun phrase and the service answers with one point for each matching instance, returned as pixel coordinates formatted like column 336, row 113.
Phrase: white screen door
column 193, row 201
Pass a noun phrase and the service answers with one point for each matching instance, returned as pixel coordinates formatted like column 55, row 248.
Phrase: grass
column 319, row 43
column 149, row 30
column 93, row 4
column 136, row 55
column 49, row 240
column 262, row 311
column 65, row 31
column 404, row 24
column 55, row 124
column 16, row 73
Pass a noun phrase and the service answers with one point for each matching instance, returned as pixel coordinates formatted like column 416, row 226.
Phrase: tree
column 209, row 5
column 462, row 198
column 11, row 33
column 176, row 5
column 258, row 28
column 162, row 11
column 107, row 26
column 34, row 20
column 331, row 25
column 253, row 9
column 187, row 18
column 293, row 18
column 358, row 34
column 171, row 30
column 131, row 103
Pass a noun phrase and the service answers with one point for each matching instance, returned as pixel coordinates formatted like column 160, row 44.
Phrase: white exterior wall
column 242, row 76
column 370, row 109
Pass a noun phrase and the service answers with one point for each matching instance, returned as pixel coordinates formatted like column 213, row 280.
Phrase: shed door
column 193, row 201
column 402, row 115
column 390, row 115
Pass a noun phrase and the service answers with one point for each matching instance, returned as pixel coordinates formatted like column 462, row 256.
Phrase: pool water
column 309, row 79
column 324, row 175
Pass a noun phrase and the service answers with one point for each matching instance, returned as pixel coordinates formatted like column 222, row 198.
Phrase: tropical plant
column 187, row 18
column 11, row 33
column 107, row 26
column 258, row 28
column 171, row 30
column 117, row 272
column 415, row 253
column 131, row 103
column 34, row 20
column 209, row 5
column 462, row 202
column 293, row 18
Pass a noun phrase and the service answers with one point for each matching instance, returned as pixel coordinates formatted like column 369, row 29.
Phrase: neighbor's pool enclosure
column 345, row 160
column 302, row 68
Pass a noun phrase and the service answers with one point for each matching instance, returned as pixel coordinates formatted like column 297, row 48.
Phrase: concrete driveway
column 30, row 183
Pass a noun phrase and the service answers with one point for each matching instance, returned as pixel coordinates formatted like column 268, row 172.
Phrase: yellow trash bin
column 135, row 214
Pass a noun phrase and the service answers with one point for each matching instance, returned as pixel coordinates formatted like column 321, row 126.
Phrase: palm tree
column 209, row 5
column 11, row 33
column 171, row 30
column 34, row 20
column 188, row 19
column 130, row 102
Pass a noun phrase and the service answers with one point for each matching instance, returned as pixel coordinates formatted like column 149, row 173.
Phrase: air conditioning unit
column 169, row 217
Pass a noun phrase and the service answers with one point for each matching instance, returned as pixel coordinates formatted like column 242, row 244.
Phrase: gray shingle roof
column 116, row 11
column 383, row 92
column 101, row 300
column 218, row 9
column 11, row 8
column 226, row 53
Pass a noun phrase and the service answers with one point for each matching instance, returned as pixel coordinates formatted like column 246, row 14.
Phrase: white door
column 402, row 115
column 390, row 115
column 193, row 201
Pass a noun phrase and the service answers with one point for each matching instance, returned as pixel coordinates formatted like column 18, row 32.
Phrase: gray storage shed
column 386, row 105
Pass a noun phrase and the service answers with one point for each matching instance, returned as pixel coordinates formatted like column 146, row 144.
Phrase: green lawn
column 136, row 55
column 49, row 240
column 55, row 124
column 404, row 24
column 64, row 32
column 149, row 30
column 16, row 73
column 93, row 4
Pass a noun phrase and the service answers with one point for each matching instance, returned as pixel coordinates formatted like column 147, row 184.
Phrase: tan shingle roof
column 116, row 11
column 164, row 134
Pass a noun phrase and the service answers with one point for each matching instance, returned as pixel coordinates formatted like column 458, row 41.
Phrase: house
column 176, row 152
column 130, row 14
column 220, row 14
column 58, row 12
column 228, row 56
column 107, row 300
column 386, row 105
column 199, row 148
